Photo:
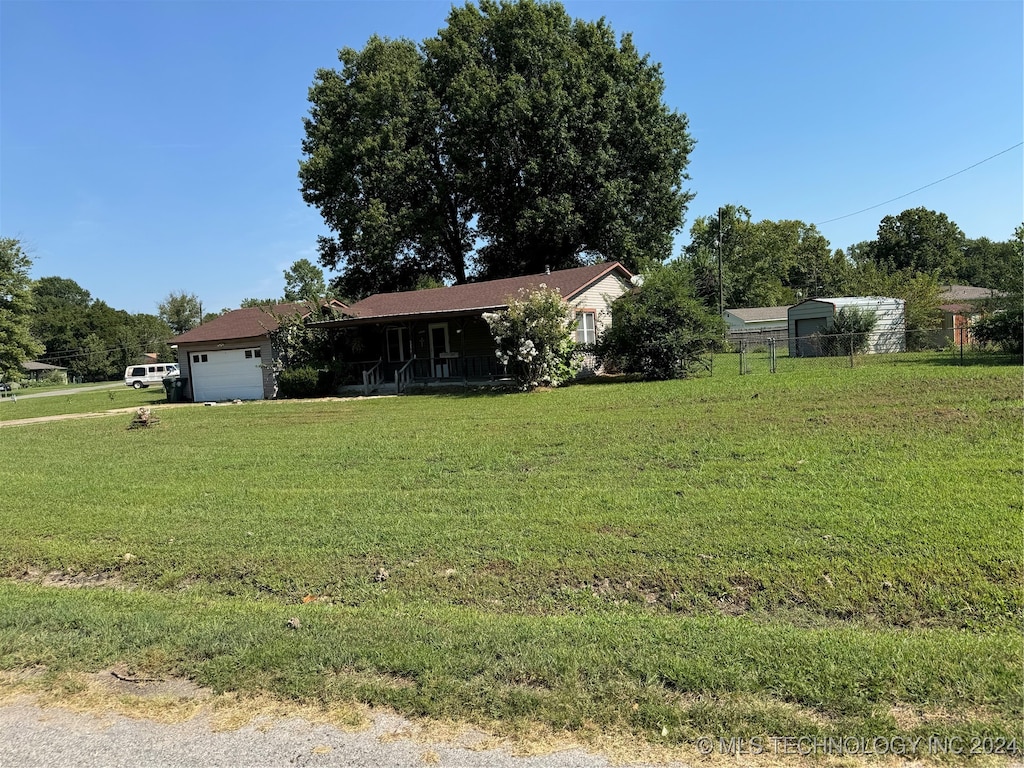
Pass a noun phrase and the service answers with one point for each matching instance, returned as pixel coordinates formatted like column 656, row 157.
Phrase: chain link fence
column 779, row 353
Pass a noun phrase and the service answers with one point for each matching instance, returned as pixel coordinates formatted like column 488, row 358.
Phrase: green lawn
column 99, row 401
column 814, row 553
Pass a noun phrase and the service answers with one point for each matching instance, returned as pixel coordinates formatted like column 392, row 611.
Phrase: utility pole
column 721, row 287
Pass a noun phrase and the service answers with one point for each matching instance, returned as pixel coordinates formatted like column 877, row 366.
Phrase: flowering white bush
column 535, row 338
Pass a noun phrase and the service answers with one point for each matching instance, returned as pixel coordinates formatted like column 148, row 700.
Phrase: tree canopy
column 764, row 263
column 16, row 342
column 181, row 311
column 91, row 339
column 304, row 282
column 922, row 241
column 516, row 139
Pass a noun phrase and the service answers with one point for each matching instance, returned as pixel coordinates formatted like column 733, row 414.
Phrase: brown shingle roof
column 479, row 297
column 241, row 323
column 956, row 293
column 760, row 314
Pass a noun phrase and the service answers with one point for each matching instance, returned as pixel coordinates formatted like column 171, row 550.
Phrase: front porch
column 452, row 369
column 434, row 351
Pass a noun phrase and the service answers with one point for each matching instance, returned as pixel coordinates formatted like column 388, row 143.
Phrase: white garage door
column 230, row 374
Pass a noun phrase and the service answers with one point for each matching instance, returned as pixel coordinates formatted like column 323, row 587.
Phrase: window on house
column 396, row 345
column 248, row 353
column 586, row 327
column 198, row 358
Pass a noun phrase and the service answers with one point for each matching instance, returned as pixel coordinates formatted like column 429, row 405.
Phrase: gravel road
column 35, row 737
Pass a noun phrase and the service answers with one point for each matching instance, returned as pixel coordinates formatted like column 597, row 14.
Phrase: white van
column 139, row 376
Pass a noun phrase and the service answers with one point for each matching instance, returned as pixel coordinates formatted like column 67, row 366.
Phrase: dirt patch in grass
column 79, row 580
column 164, row 699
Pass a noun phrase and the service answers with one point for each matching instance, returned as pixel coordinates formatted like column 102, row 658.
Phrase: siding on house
column 599, row 297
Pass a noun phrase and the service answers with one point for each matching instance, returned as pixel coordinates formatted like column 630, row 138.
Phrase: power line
column 932, row 184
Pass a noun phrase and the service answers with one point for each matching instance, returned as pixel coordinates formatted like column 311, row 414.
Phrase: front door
column 439, row 349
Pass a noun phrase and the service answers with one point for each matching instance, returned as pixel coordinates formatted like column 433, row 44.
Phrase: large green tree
column 516, row 139
column 990, row 264
column 304, row 281
column 181, row 311
column 922, row 241
column 16, row 342
column 59, row 321
column 764, row 263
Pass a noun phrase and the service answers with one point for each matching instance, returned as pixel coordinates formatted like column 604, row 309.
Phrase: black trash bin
column 174, row 388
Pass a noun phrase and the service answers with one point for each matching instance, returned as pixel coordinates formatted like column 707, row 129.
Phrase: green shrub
column 660, row 331
column 1003, row 330
column 298, row 382
column 848, row 332
column 535, row 340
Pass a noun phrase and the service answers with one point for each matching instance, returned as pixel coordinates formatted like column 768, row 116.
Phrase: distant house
column 439, row 333
column 756, row 323
column 960, row 308
column 229, row 357
column 37, row 371
column 816, row 316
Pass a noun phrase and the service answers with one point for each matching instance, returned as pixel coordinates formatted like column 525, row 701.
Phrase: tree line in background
column 774, row 263
column 56, row 321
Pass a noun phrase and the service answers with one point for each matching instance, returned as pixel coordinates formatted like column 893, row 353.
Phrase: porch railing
column 372, row 378
column 478, row 368
column 403, row 376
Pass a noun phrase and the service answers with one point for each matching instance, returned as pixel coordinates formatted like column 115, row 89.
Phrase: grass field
column 85, row 402
column 832, row 553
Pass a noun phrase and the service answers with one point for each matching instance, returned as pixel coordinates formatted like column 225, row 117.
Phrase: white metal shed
column 816, row 316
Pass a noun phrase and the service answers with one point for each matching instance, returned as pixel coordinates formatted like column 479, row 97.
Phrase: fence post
column 851, row 350
column 771, row 353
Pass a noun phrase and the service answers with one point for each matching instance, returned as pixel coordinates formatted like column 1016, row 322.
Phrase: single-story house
column 960, row 308
column 229, row 357
column 439, row 333
column 37, row 371
column 816, row 316
column 756, row 323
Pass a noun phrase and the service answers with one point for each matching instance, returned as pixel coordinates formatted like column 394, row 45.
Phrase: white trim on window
column 586, row 326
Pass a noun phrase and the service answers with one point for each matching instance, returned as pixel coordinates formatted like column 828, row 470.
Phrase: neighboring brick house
column 960, row 308
column 229, row 357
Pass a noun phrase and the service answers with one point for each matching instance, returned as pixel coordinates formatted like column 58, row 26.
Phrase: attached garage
column 230, row 374
column 229, row 358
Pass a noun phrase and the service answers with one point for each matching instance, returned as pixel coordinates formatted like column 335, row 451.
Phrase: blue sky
column 150, row 147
